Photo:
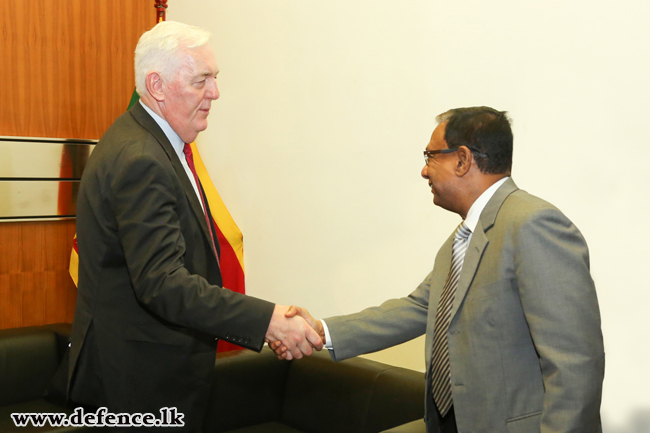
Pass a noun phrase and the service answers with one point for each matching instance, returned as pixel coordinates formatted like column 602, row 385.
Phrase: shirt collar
column 176, row 141
column 479, row 204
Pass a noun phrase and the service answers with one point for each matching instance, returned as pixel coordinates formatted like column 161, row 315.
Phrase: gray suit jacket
column 149, row 304
column 525, row 342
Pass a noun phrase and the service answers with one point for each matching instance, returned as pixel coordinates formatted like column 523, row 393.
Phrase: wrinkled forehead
column 196, row 62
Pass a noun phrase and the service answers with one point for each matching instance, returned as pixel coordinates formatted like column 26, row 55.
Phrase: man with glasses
column 513, row 336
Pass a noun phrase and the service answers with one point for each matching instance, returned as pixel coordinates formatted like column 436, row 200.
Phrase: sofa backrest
column 355, row 396
column 29, row 357
column 398, row 397
column 247, row 389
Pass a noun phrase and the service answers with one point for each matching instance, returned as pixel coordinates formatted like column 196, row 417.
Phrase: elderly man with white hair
column 150, row 304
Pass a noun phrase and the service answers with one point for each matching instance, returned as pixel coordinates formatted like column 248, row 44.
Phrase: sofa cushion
column 267, row 427
column 36, row 406
column 417, row 426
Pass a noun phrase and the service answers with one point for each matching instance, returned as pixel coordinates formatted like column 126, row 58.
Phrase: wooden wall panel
column 66, row 71
column 67, row 65
column 35, row 287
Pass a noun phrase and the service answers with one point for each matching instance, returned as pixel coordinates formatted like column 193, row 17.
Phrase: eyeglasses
column 431, row 153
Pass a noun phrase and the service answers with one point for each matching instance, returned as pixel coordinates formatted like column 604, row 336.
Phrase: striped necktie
column 189, row 157
column 440, row 371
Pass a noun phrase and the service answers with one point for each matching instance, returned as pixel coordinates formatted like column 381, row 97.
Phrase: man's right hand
column 281, row 349
column 293, row 332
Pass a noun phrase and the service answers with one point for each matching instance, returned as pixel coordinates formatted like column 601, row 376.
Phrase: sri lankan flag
column 231, row 240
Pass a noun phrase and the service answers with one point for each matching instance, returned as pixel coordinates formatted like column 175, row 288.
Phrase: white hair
column 158, row 50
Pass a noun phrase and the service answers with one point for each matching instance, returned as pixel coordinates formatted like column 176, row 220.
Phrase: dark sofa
column 250, row 392
column 29, row 359
column 257, row 393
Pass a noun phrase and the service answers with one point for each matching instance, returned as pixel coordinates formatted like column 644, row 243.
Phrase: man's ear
column 155, row 86
column 465, row 159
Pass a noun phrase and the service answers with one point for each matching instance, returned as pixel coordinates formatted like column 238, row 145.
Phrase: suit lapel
column 479, row 242
column 475, row 250
column 142, row 117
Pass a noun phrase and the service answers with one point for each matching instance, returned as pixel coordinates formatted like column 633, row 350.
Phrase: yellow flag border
column 220, row 213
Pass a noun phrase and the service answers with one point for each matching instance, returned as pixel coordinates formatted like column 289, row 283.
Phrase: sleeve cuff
column 328, row 339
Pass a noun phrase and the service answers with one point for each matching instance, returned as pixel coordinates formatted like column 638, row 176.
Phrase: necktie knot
column 187, row 150
column 462, row 232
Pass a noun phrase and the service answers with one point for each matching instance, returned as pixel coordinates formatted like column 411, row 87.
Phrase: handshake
column 293, row 332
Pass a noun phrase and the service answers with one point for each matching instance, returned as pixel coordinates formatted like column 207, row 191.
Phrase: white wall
column 315, row 145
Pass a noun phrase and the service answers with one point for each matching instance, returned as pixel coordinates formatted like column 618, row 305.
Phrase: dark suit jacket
column 149, row 304
column 525, row 344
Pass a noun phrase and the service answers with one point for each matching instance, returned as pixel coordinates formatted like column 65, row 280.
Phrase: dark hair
column 483, row 129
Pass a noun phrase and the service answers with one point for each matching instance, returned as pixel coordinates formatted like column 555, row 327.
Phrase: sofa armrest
column 56, row 393
column 29, row 357
column 247, row 389
column 62, row 332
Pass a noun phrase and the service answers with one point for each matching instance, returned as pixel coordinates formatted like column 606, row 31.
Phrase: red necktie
column 187, row 150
